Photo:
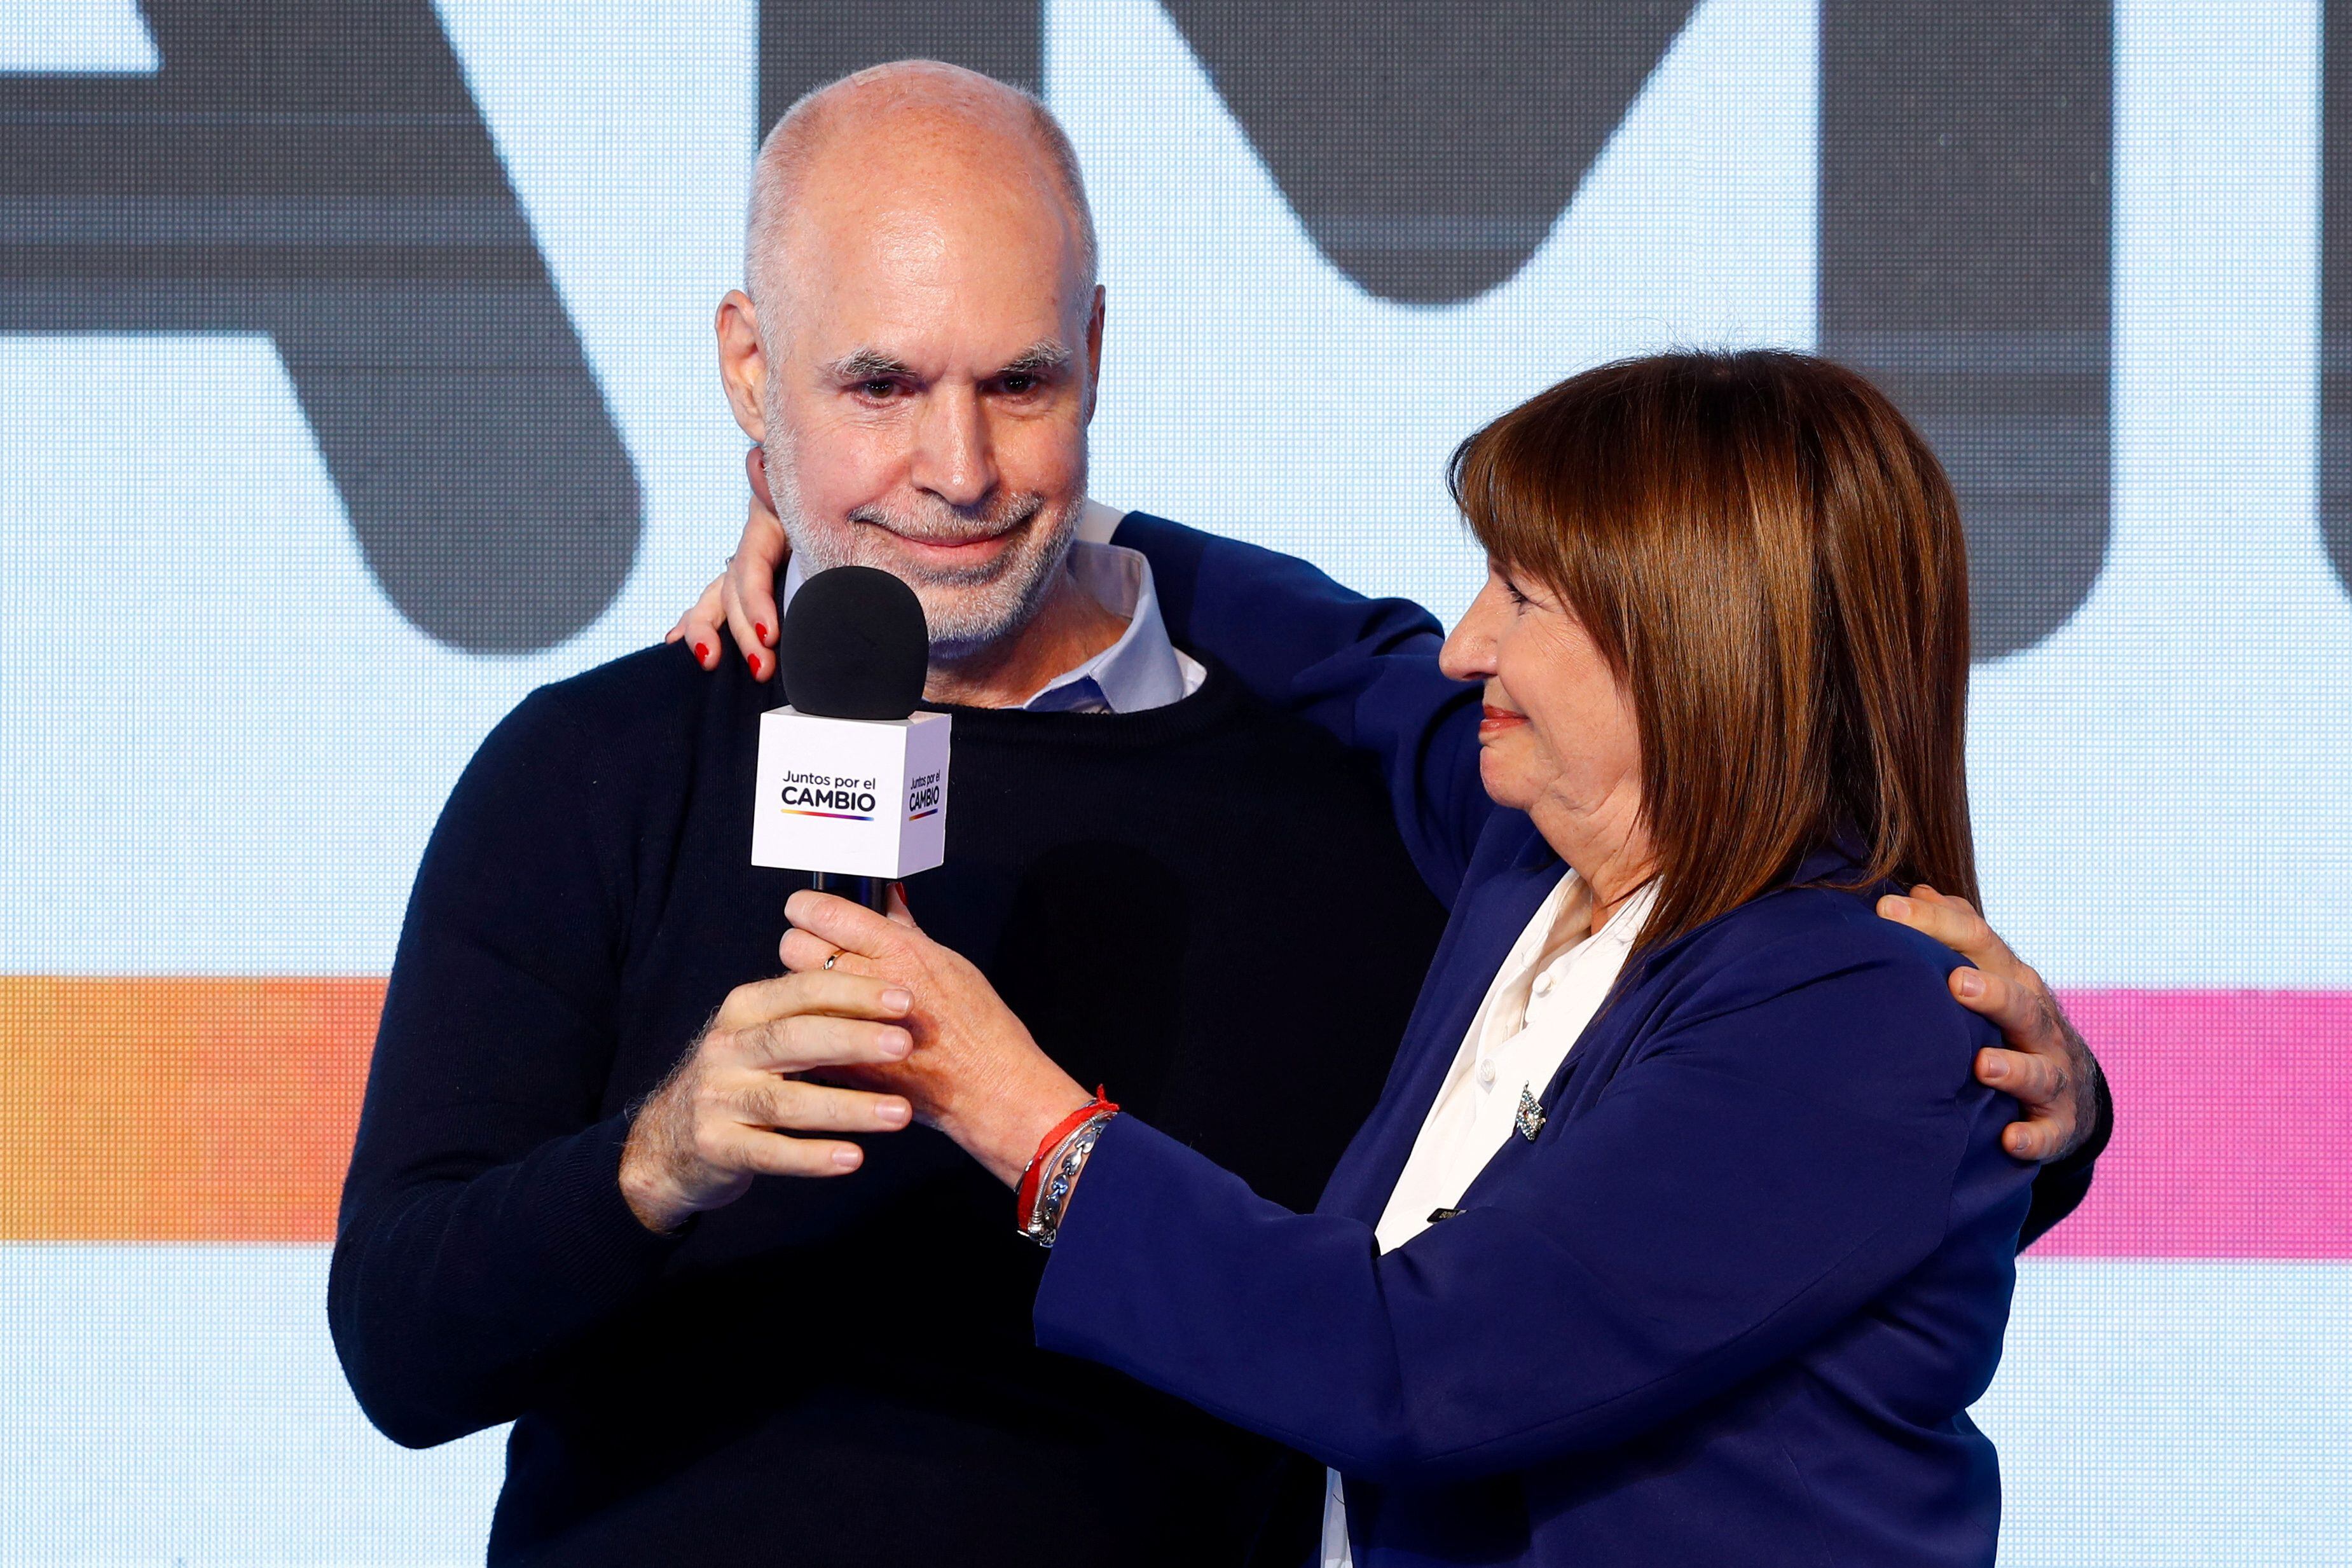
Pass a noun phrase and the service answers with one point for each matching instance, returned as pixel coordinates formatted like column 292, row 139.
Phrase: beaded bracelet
column 1061, row 1155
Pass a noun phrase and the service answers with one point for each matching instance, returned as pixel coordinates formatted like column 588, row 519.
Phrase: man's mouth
column 968, row 547
column 965, row 551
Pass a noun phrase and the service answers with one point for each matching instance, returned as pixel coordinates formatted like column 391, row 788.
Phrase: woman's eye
column 1513, row 590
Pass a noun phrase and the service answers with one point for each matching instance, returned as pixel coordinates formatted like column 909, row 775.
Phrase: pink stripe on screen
column 2234, row 1126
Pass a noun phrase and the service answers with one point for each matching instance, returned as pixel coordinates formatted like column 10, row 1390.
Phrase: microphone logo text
column 824, row 795
column 923, row 795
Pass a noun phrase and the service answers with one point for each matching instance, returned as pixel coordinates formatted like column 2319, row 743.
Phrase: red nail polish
column 753, row 661
column 701, row 652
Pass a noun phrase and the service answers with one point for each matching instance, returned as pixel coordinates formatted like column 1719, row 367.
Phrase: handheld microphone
column 853, row 784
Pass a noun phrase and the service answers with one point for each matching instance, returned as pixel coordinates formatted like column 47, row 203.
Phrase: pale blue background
column 2161, row 788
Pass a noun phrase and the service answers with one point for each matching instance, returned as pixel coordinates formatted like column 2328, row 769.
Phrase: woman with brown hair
column 1683, row 1232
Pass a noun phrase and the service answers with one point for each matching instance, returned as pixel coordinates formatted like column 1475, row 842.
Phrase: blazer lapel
column 1602, row 1048
column 1590, row 1062
column 1488, row 917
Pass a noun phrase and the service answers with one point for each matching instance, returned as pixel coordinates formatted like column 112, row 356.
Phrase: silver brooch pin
column 1530, row 1119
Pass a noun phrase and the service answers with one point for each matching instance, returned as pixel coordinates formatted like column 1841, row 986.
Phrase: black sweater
column 842, row 1372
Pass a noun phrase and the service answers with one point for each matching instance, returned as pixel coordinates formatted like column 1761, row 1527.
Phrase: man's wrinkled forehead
column 917, row 232
column 965, row 298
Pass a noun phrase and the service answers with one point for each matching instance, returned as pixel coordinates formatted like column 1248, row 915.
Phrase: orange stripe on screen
column 177, row 1108
column 222, row 1110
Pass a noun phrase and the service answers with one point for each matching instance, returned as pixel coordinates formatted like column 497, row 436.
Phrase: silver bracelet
column 1062, row 1168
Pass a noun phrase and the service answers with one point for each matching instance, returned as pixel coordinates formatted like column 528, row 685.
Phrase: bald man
column 738, row 1314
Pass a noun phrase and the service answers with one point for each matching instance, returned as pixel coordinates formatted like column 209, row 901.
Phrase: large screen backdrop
column 356, row 376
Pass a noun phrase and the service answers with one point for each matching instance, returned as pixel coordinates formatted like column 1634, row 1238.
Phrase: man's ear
column 1094, row 352
column 743, row 364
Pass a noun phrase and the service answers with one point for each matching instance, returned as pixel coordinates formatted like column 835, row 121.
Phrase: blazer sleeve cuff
column 1104, row 1252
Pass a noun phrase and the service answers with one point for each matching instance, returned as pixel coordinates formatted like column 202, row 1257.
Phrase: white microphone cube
column 856, row 797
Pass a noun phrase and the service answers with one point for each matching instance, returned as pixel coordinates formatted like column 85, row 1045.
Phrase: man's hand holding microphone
column 741, row 1103
column 736, row 1107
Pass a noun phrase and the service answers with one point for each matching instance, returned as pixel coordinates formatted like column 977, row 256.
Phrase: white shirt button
column 1486, row 1072
column 1543, row 983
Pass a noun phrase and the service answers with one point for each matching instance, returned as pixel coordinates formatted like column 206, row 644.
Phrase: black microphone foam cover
column 854, row 645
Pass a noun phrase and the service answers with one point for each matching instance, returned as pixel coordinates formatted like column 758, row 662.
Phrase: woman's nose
column 1469, row 650
column 1466, row 656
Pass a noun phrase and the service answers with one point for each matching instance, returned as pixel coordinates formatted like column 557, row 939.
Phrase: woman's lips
column 1494, row 720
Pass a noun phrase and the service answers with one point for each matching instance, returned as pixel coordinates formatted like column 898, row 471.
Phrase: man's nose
column 954, row 458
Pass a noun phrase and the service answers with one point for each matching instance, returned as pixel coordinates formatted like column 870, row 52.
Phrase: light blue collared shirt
column 1143, row 670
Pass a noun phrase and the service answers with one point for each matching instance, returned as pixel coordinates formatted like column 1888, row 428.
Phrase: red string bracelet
column 1025, row 1198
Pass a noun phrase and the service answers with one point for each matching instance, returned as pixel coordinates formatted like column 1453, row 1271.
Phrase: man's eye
column 878, row 389
column 1019, row 382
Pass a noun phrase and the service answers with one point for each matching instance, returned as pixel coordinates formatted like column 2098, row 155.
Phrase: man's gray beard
column 967, row 609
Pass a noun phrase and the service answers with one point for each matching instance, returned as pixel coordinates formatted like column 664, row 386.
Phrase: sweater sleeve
column 1765, row 1169
column 482, row 1227
column 2063, row 1184
column 1363, row 669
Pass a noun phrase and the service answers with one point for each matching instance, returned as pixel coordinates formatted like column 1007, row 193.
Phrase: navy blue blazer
column 1729, row 1305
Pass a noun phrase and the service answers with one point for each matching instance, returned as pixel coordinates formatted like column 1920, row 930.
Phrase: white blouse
column 1549, row 986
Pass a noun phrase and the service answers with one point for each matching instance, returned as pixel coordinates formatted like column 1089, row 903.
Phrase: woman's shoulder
column 1815, row 953
column 1820, row 927
column 1808, row 938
